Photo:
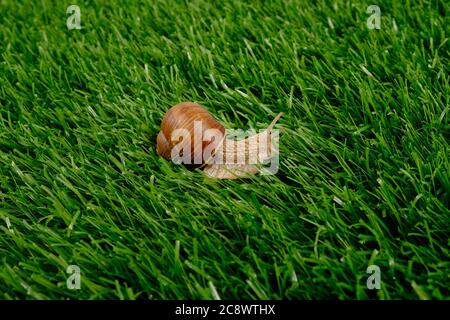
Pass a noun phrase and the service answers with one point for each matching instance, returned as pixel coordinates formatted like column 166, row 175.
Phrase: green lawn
column 364, row 160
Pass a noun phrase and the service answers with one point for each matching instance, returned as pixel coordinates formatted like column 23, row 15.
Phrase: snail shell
column 183, row 116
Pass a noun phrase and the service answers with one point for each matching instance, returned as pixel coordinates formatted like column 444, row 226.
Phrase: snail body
column 192, row 136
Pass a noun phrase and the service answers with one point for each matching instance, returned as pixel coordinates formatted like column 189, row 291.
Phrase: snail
column 192, row 136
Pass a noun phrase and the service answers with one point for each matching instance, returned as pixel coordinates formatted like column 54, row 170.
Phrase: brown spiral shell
column 182, row 116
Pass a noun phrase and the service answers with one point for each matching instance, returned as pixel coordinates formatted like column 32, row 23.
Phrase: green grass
column 364, row 167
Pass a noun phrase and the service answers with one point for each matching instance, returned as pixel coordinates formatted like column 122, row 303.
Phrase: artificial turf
column 364, row 155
